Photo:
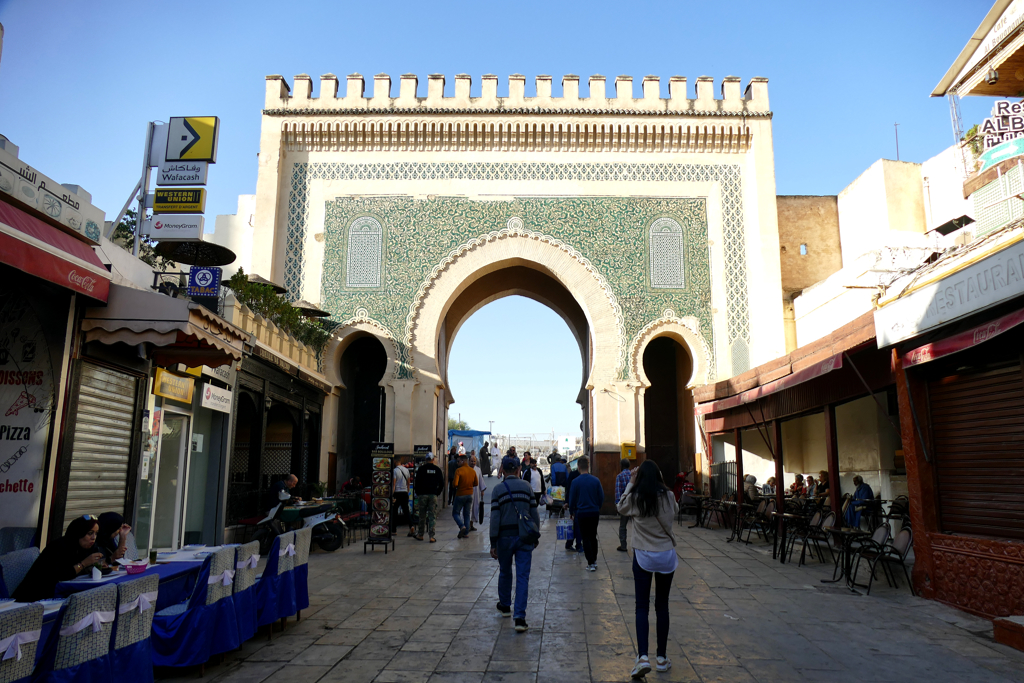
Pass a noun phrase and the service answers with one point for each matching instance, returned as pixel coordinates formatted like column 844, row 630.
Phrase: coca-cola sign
column 84, row 282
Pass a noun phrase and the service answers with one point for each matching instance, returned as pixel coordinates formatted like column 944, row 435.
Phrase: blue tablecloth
column 177, row 579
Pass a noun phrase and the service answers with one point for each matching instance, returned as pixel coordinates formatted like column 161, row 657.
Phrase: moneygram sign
column 168, row 227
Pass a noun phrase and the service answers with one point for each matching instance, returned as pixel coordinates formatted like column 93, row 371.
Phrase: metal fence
column 723, row 479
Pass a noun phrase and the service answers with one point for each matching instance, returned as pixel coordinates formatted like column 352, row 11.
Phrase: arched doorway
column 668, row 407
column 361, row 411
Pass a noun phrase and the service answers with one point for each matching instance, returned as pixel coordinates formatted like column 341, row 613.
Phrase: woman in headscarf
column 112, row 539
column 62, row 560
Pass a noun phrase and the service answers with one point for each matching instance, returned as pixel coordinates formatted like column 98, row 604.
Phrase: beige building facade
column 634, row 218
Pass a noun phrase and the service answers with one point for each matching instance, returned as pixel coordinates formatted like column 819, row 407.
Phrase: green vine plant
column 262, row 299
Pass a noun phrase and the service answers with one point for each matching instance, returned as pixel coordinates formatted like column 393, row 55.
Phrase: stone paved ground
column 426, row 613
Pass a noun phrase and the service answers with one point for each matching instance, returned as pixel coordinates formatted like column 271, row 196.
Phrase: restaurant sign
column 980, row 285
column 381, row 459
column 173, row 386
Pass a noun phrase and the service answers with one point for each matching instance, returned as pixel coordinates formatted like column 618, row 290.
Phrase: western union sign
column 173, row 386
column 179, row 200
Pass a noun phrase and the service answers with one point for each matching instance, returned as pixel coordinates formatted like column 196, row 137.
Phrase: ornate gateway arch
column 633, row 218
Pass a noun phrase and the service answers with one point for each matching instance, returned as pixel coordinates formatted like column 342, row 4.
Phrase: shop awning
column 963, row 340
column 817, row 370
column 30, row 245
column 180, row 331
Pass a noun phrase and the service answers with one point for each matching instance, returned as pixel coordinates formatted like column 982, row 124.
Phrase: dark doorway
column 363, row 402
column 282, row 453
column 243, row 487
column 668, row 407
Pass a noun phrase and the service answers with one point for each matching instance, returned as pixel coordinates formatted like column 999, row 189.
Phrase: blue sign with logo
column 204, row 281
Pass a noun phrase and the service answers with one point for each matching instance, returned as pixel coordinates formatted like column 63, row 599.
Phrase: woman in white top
column 652, row 507
column 477, row 512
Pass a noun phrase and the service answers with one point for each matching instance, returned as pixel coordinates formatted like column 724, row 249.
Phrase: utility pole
column 896, row 127
column 491, row 427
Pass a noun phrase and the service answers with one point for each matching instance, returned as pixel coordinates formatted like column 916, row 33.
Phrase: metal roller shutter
column 98, row 479
column 977, row 421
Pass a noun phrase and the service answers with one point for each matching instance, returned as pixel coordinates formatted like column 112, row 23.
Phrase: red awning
column 963, row 340
column 30, row 245
column 816, row 370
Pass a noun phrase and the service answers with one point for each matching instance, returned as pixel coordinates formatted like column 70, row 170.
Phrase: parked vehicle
column 328, row 528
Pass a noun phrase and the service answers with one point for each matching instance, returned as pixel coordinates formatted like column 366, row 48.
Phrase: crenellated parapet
column 346, row 119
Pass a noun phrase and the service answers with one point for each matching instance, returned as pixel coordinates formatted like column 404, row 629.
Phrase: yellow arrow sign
column 192, row 138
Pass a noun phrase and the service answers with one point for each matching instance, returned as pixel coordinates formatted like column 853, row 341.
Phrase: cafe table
column 847, row 536
column 701, row 510
column 177, row 579
column 788, row 519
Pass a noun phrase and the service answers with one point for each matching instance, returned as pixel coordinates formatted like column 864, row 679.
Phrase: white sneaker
column 591, row 567
column 641, row 668
column 663, row 663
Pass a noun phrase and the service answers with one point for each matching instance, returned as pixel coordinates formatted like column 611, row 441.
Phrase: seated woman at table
column 750, row 490
column 62, row 560
column 769, row 487
column 112, row 539
column 822, row 488
column 811, row 486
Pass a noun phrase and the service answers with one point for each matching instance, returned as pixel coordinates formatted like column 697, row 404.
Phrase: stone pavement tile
column 577, row 676
column 349, row 671
column 449, row 607
column 308, row 627
column 510, row 677
column 518, row 647
column 425, row 646
column 775, row 671
column 415, row 661
column 282, row 649
column 611, row 665
column 343, row 636
column 513, row 665
column 444, row 621
column 302, row 672
column 367, row 618
column 389, row 676
column 379, row 645
column 457, row 677
column 248, row 672
column 563, row 621
column 464, row 594
column 723, row 674
column 434, row 635
column 406, row 624
column 322, row 655
column 458, row 662
column 417, row 608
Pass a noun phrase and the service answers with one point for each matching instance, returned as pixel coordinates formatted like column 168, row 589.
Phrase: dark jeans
column 461, row 509
column 642, row 583
column 623, row 521
column 402, row 507
column 509, row 549
column 588, row 530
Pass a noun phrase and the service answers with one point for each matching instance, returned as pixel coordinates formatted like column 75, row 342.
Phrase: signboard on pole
column 174, row 227
column 192, row 138
column 204, row 281
column 184, row 200
column 182, row 173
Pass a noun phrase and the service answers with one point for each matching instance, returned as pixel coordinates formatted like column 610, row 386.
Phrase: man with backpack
column 515, row 524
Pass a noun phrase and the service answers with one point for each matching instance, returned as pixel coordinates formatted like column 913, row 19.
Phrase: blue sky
column 79, row 80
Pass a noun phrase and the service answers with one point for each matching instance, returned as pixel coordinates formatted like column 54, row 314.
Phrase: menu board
column 382, row 456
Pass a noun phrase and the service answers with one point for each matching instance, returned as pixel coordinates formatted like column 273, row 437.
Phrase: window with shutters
column 667, row 248
column 977, row 422
column 365, row 252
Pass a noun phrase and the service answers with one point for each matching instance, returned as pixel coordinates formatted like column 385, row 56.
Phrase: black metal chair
column 899, row 510
column 871, row 548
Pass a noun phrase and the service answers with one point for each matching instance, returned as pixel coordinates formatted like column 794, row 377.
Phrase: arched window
column 667, row 254
column 365, row 247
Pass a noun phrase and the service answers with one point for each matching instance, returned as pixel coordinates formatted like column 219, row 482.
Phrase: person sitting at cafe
column 112, row 538
column 280, row 495
column 860, row 496
column 62, row 560
column 750, row 490
column 769, row 487
column 811, row 486
column 797, row 488
column 355, row 484
column 822, row 489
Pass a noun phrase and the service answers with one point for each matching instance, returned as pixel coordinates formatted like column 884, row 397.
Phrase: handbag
column 529, row 532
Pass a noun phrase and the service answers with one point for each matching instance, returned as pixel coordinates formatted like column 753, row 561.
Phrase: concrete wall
column 884, row 206
column 814, row 223
column 943, row 183
column 235, row 231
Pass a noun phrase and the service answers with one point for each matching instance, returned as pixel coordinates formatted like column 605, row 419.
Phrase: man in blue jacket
column 510, row 499
column 586, row 497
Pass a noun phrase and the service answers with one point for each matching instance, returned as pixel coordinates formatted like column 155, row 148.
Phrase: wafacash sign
column 986, row 283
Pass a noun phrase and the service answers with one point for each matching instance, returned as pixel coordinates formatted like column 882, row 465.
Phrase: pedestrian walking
column 429, row 485
column 511, row 500
column 464, row 483
column 477, row 516
column 585, row 501
column 652, row 507
column 535, row 476
column 400, row 489
column 453, row 464
column 575, row 541
column 485, row 459
column 621, row 482
column 495, row 458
